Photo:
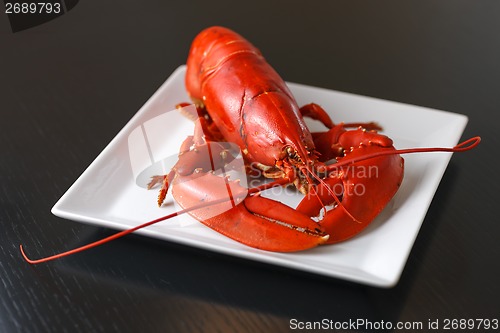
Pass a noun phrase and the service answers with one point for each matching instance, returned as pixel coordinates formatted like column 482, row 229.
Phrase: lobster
column 347, row 173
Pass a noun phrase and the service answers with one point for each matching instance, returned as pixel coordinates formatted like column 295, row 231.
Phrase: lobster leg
column 192, row 113
column 205, row 128
column 327, row 143
column 316, row 112
column 204, row 131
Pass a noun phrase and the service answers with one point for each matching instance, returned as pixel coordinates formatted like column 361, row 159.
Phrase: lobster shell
column 238, row 88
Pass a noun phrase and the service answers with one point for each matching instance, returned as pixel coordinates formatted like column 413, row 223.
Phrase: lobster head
column 250, row 103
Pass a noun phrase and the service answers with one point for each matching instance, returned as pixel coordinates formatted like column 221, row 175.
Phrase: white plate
column 107, row 194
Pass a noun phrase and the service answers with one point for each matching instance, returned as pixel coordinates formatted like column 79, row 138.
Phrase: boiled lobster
column 347, row 173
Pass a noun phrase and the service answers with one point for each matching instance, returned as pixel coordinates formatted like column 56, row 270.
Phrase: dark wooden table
column 68, row 86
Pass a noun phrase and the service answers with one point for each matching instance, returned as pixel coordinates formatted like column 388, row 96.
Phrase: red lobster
column 241, row 99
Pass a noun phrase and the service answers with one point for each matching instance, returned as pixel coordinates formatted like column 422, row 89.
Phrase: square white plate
column 107, row 194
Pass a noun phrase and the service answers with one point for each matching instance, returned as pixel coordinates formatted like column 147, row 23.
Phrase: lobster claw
column 363, row 187
column 252, row 220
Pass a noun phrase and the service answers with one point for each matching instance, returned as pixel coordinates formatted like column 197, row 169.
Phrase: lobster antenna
column 461, row 147
column 147, row 224
column 312, row 188
column 121, row 233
